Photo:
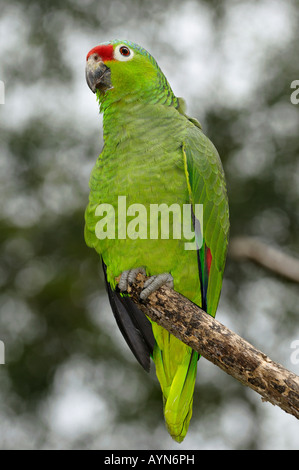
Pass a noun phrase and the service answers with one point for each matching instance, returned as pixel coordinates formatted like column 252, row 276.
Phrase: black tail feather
column 133, row 324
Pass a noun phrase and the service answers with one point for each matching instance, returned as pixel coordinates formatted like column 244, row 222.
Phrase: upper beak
column 98, row 75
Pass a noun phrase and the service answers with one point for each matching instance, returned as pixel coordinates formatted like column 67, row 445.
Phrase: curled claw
column 154, row 283
column 127, row 278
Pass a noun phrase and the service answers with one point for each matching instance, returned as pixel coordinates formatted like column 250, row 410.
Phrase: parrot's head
column 121, row 68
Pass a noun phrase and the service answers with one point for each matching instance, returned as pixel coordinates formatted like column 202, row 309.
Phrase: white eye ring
column 118, row 55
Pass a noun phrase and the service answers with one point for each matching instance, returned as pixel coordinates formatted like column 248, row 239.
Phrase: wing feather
column 206, row 185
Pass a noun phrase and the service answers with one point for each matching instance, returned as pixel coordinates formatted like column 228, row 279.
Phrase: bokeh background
column 69, row 381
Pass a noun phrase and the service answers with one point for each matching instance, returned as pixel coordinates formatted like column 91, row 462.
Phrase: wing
column 206, row 185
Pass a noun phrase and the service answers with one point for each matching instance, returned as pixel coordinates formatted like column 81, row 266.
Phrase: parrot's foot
column 128, row 277
column 154, row 282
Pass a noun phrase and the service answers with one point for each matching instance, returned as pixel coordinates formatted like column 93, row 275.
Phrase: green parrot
column 154, row 154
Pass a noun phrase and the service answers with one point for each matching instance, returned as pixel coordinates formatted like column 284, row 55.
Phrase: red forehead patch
column 104, row 51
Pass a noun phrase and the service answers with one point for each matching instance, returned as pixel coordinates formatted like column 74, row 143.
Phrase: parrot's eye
column 123, row 52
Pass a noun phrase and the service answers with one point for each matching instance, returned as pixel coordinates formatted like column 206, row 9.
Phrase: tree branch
column 267, row 256
column 220, row 345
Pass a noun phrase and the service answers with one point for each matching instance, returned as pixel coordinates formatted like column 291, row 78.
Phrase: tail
column 176, row 365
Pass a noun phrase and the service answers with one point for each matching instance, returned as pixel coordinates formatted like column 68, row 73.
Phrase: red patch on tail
column 208, row 258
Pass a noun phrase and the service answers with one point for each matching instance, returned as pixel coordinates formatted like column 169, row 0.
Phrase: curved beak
column 98, row 75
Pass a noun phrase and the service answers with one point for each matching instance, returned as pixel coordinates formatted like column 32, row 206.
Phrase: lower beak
column 98, row 75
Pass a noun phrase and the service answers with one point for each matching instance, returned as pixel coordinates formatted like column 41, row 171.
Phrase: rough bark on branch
column 267, row 256
column 220, row 345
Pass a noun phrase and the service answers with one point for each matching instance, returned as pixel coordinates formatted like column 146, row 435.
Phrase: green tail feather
column 176, row 365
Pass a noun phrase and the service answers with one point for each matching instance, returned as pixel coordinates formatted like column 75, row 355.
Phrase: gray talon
column 123, row 282
column 133, row 273
column 154, row 282
column 128, row 277
column 149, row 281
